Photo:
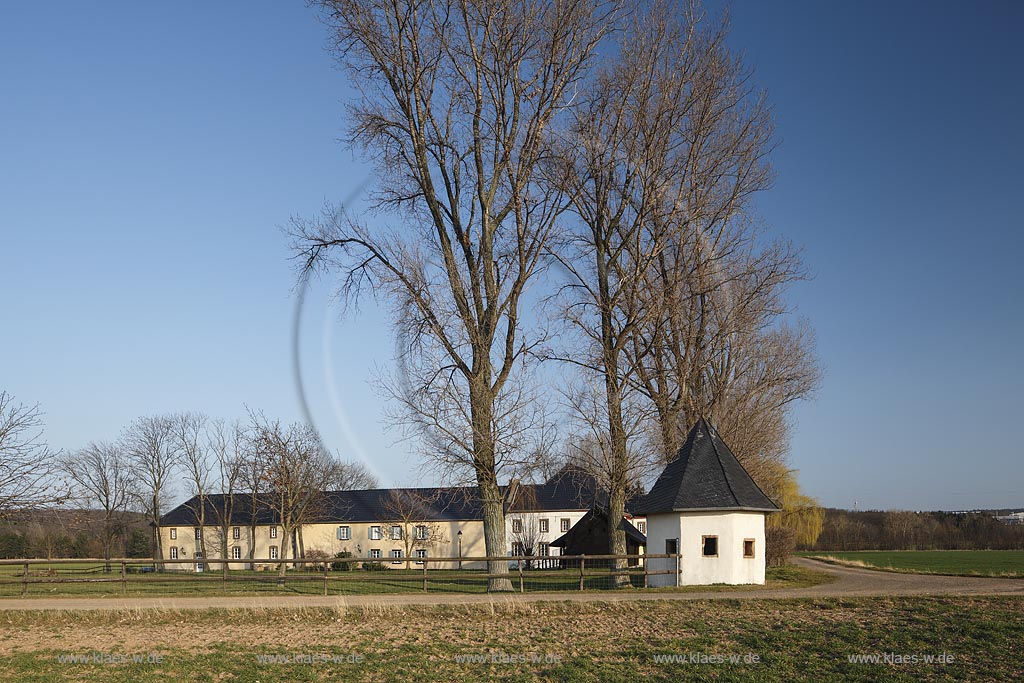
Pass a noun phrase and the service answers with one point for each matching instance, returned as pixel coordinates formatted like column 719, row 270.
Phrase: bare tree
column 350, row 476
column 716, row 344
column 457, row 99
column 194, row 451
column 297, row 473
column 409, row 512
column 28, row 467
column 150, row 446
column 102, row 476
column 228, row 444
column 621, row 165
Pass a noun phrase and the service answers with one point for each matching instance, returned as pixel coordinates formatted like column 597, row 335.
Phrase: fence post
column 645, row 573
column 124, row 577
column 326, row 566
column 24, row 581
column 583, row 564
column 424, row 575
column 679, row 567
column 521, row 576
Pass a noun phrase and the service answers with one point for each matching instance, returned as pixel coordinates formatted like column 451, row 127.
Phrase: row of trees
column 906, row 530
column 568, row 182
column 222, row 466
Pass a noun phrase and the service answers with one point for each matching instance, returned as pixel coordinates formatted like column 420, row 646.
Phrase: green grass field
column 1007, row 563
column 977, row 639
column 339, row 583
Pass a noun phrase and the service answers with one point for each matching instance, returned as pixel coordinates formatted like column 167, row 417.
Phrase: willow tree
column 457, row 99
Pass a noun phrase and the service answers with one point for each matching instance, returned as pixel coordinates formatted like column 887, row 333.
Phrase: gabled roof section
column 705, row 476
column 595, row 524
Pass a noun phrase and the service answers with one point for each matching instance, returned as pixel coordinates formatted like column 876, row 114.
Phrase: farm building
column 706, row 508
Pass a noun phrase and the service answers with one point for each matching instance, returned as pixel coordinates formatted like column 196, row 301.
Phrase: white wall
column 730, row 567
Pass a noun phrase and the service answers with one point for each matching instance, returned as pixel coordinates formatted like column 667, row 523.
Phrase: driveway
column 849, row 581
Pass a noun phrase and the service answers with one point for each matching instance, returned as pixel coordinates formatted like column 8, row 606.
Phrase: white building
column 706, row 508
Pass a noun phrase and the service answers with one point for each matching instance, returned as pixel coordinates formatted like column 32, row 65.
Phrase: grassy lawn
column 351, row 583
column 977, row 639
column 1007, row 563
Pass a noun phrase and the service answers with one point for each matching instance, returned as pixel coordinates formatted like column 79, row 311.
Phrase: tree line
column 566, row 189
column 906, row 530
column 223, row 466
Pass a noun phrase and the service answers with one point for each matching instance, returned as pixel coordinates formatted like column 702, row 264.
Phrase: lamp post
column 460, row 549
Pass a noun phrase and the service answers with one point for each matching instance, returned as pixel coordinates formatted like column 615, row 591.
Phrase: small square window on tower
column 748, row 547
column 710, row 544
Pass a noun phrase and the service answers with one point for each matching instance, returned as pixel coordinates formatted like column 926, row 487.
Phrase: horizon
column 151, row 159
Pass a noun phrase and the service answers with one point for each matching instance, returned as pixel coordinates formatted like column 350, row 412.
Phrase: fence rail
column 329, row 576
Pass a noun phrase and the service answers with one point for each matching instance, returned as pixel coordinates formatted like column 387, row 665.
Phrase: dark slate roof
column 566, row 491
column 704, row 476
column 595, row 524
column 571, row 488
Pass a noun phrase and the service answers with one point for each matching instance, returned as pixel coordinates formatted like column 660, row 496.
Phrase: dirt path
column 849, row 581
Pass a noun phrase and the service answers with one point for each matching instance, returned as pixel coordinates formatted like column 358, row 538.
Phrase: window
column 542, row 525
column 421, row 553
column 517, row 549
column 236, row 533
column 422, row 533
column 748, row 547
column 236, row 552
column 671, row 546
column 376, row 533
column 375, row 553
column 174, row 551
column 517, row 526
column 273, row 552
column 564, row 525
column 273, row 532
column 174, row 534
column 710, row 546
column 543, row 549
column 396, row 532
column 344, row 533
column 199, row 532
column 396, row 555
column 641, row 527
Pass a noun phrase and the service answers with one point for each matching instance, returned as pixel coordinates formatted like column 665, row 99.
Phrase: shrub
column 779, row 542
column 374, row 566
column 342, row 566
column 316, row 555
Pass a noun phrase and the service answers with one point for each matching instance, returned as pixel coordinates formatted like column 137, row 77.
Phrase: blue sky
column 150, row 154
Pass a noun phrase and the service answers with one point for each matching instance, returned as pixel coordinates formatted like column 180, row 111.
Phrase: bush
column 374, row 566
column 316, row 555
column 342, row 566
column 779, row 543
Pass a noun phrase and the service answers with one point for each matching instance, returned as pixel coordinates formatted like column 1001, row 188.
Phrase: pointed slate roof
column 705, row 476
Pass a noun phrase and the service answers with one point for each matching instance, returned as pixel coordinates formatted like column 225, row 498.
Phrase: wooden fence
column 337, row 575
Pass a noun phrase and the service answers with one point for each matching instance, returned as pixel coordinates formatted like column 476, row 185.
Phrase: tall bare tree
column 194, row 452
column 297, row 473
column 457, row 98
column 28, row 467
column 718, row 346
column 622, row 166
column 228, row 444
column 102, row 476
column 150, row 446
